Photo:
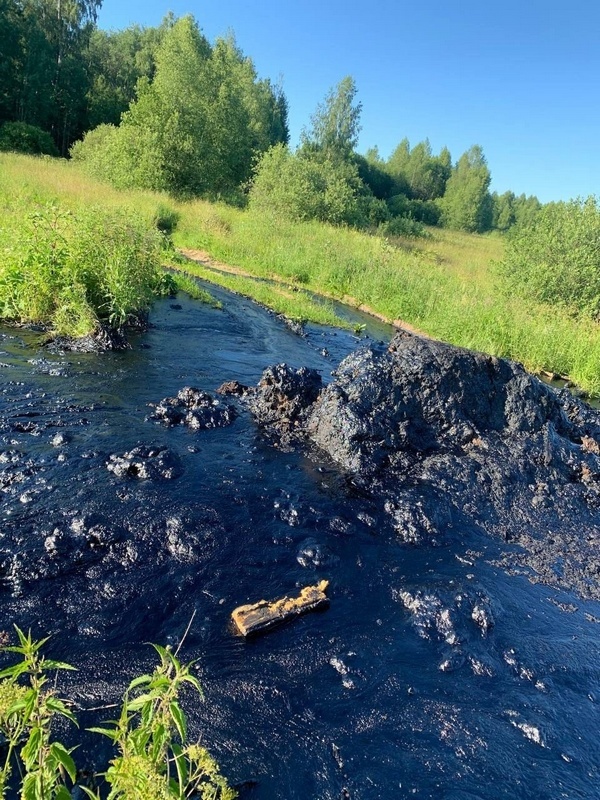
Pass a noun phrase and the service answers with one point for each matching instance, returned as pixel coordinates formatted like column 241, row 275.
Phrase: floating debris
column 264, row 615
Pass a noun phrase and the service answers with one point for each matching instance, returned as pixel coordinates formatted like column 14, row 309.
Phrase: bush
column 89, row 150
column 124, row 156
column 303, row 187
column 402, row 226
column 372, row 212
column 22, row 138
column 72, row 271
column 166, row 218
column 424, row 211
column 556, row 258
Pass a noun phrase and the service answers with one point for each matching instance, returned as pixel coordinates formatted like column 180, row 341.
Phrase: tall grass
column 47, row 180
column 68, row 260
column 291, row 301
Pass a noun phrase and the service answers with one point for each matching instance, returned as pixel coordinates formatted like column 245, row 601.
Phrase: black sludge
column 447, row 497
column 446, row 439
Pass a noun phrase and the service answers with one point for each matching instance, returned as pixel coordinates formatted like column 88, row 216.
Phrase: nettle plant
column 26, row 715
column 153, row 759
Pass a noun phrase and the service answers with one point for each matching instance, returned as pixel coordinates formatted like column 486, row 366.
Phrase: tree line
column 163, row 108
column 60, row 73
column 325, row 178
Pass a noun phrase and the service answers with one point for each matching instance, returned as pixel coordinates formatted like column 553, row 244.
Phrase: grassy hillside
column 445, row 285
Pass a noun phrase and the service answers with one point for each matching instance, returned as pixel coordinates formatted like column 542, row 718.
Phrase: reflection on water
column 433, row 674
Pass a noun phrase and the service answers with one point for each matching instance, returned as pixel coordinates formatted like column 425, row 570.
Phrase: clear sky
column 519, row 77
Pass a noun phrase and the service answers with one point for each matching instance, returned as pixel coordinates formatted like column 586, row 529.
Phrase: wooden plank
column 265, row 615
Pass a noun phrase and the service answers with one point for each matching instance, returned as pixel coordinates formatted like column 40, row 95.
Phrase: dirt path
column 204, row 258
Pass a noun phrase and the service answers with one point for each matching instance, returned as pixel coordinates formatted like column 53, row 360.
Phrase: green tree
column 467, row 203
column 194, row 127
column 300, row 188
column 115, row 62
column 321, row 180
column 43, row 80
column 445, row 160
column 503, row 215
column 418, row 173
column 335, row 125
column 11, row 32
column 159, row 144
column 526, row 209
column 375, row 176
column 237, row 117
column 427, row 175
column 398, row 162
column 63, row 28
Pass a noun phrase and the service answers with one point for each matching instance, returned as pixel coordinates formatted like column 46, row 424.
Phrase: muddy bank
column 447, row 439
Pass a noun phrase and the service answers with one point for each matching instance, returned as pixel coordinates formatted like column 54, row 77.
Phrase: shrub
column 424, row 211
column 372, row 212
column 123, row 156
column 22, row 138
column 166, row 218
column 71, row 271
column 556, row 258
column 303, row 187
column 89, row 151
column 402, row 226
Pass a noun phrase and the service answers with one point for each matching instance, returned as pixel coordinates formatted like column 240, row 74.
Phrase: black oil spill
column 434, row 673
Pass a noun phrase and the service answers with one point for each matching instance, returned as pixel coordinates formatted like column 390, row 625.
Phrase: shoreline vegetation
column 447, row 285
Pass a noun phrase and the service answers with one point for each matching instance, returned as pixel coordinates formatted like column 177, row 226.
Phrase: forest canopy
column 163, row 108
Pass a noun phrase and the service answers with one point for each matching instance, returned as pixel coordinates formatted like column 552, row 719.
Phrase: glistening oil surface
column 434, row 674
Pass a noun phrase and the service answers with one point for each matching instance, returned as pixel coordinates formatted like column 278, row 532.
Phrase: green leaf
column 89, row 792
column 30, row 750
column 160, row 682
column 181, row 766
column 140, row 681
column 111, row 733
column 49, row 664
column 64, row 757
column 159, row 739
column 174, row 660
column 35, row 646
column 195, row 683
column 19, row 705
column 30, row 700
column 62, row 793
column 25, row 640
column 178, row 719
column 58, row 707
column 28, row 788
column 162, row 652
column 14, row 671
column 138, row 702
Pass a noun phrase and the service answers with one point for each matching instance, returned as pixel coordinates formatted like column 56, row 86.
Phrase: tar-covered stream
column 434, row 673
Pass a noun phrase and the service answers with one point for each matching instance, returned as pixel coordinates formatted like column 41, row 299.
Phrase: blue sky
column 519, row 78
